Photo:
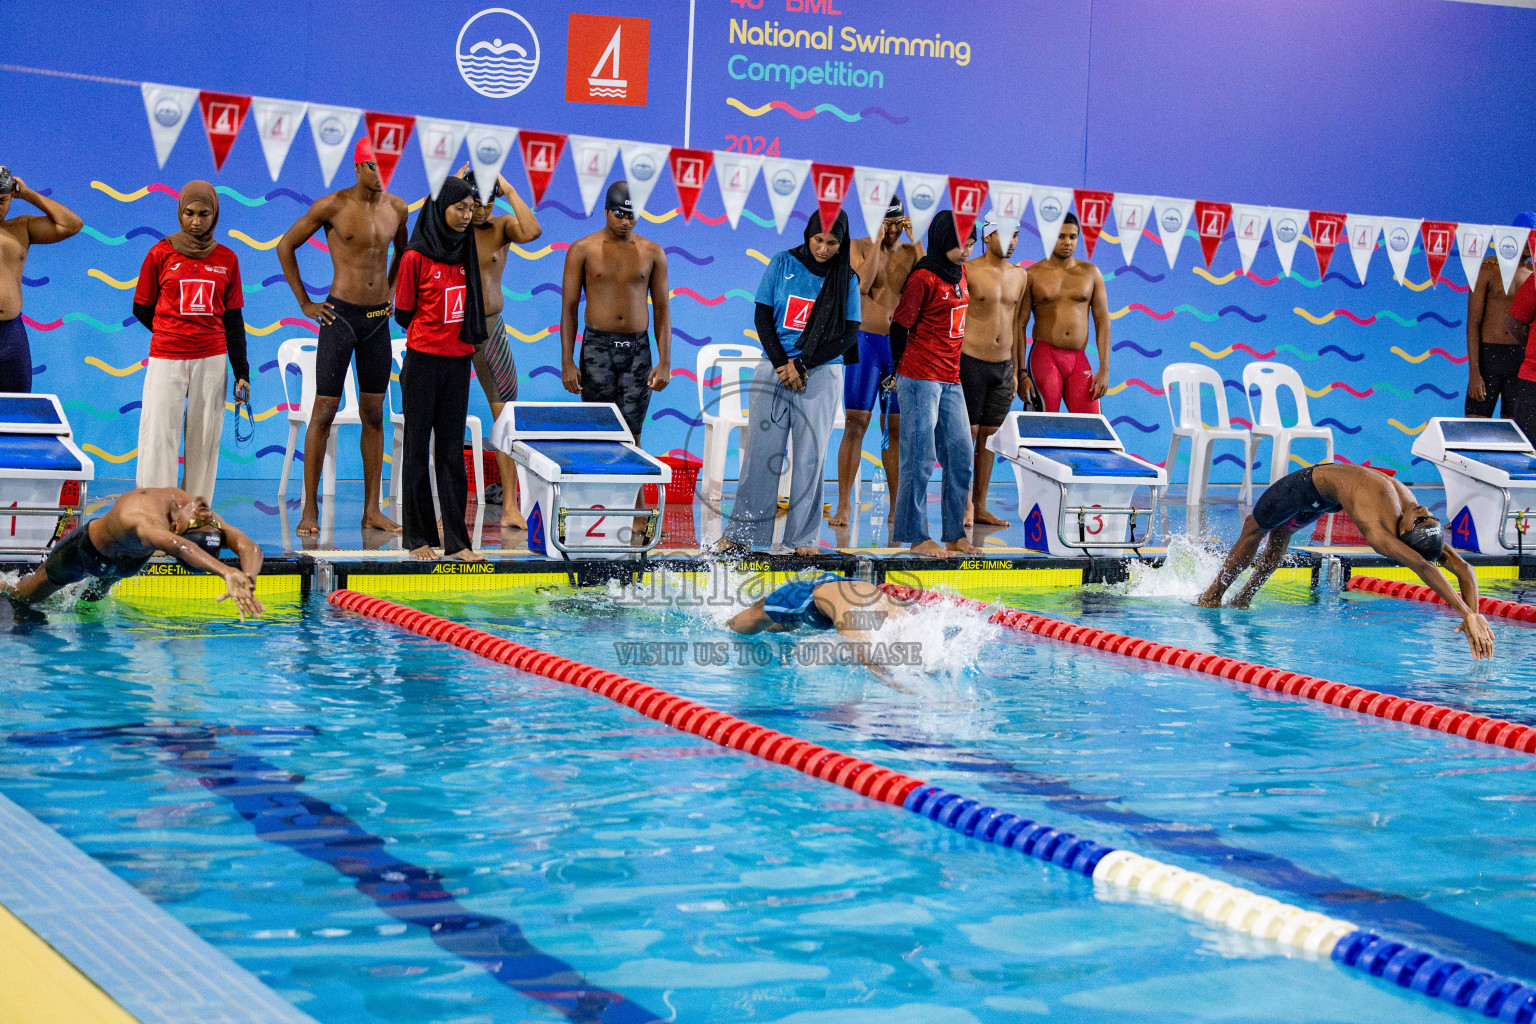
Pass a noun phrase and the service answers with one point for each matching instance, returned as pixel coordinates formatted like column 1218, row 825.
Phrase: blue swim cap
column 1525, row 220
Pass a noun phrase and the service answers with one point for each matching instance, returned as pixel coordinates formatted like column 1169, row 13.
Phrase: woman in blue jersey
column 808, row 323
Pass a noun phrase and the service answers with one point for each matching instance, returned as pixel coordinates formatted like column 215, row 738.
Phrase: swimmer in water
column 116, row 546
column 1389, row 516
column 854, row 608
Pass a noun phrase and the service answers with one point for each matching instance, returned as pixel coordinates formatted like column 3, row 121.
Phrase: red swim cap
column 362, row 153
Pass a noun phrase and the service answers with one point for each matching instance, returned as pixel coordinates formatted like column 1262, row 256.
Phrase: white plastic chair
column 1269, row 378
column 397, row 447
column 300, row 352
column 1190, row 378
column 729, row 412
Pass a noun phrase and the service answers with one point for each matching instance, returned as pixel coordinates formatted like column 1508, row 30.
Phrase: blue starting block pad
column 23, row 453
column 1489, row 471
column 42, row 470
column 1063, row 462
column 32, row 414
column 580, row 475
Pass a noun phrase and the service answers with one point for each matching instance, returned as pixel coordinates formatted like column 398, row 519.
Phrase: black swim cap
column 618, row 198
column 895, row 209
column 209, row 538
column 469, row 179
column 1427, row 537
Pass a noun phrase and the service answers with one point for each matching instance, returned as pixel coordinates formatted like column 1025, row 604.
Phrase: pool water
column 388, row 829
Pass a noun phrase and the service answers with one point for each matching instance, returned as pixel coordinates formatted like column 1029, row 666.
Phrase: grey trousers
column 775, row 416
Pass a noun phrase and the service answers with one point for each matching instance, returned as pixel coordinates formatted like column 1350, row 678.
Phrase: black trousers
column 435, row 393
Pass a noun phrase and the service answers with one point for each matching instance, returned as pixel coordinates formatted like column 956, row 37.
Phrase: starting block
column 43, row 474
column 1075, row 482
column 1489, row 471
column 579, row 472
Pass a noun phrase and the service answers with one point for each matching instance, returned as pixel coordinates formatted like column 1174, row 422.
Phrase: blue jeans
column 933, row 417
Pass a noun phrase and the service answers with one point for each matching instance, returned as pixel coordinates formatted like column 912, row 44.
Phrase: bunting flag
column 1508, row 244
column 593, row 158
column 1438, row 236
column 1132, row 212
column 1362, row 232
column 690, row 169
column 1472, row 242
column 439, row 142
column 223, row 114
column 332, row 128
column 1092, row 211
column 277, row 122
column 168, row 107
column 1399, row 233
column 1051, row 208
column 923, row 194
column 830, row 182
column 1327, row 233
column 1009, row 198
column 1248, row 228
column 965, row 198
column 1531, row 243
column 1285, row 227
column 875, row 189
column 541, row 153
column 735, row 173
column 389, row 133
column 488, row 148
column 643, row 162
column 1172, row 218
column 784, row 179
column 1211, row 220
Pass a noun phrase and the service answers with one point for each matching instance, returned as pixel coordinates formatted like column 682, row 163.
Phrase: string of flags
column 332, row 128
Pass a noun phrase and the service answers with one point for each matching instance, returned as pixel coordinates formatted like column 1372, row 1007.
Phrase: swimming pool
column 484, row 845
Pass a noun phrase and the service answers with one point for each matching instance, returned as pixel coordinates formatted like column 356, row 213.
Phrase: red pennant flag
column 831, row 183
column 1327, row 229
column 1211, row 220
column 223, row 114
column 965, row 198
column 1092, row 211
column 389, row 134
column 1530, row 243
column 1438, row 237
column 690, row 169
column 541, row 152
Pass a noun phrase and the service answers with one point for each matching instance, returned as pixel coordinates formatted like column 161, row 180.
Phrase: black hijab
column 828, row 321
column 434, row 239
column 941, row 239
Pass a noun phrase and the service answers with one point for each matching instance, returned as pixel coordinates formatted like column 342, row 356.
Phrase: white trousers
column 178, row 391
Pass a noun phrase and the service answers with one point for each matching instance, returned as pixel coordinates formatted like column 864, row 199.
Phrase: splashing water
column 1188, row 569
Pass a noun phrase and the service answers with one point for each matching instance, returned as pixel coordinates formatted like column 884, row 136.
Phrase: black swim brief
column 76, row 557
column 360, row 329
column 988, row 389
column 1293, row 502
column 617, row 368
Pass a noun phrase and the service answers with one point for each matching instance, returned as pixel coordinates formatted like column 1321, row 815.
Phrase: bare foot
column 970, row 515
column 309, row 522
column 725, row 547
column 807, row 552
column 929, row 547
column 512, row 518
column 987, row 518
column 373, row 519
column 466, row 555
column 840, row 517
column 962, row 546
column 423, row 553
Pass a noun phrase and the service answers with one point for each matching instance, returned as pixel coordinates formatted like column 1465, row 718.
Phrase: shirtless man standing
column 360, row 222
column 494, row 364
column 1061, row 292
column 1493, row 354
column 17, row 235
column 882, row 269
column 993, row 346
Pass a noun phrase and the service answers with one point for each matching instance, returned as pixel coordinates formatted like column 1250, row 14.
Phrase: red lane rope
column 1495, row 731
column 1415, row 592
column 863, row 777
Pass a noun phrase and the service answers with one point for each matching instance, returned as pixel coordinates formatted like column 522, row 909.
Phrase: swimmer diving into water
column 116, row 546
column 1389, row 516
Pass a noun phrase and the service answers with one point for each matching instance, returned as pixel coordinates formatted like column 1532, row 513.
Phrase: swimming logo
column 923, row 197
column 607, row 59
column 497, row 53
column 168, row 112
column 642, row 168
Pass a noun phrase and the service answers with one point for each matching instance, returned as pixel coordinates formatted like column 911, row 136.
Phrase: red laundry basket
column 685, row 480
column 488, row 461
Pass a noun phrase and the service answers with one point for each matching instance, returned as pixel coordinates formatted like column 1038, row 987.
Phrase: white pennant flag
column 439, row 142
column 735, row 173
column 1472, row 240
column 1132, row 214
column 1248, row 223
column 593, row 158
column 643, row 162
column 277, row 122
column 1051, row 208
column 1172, row 218
column 924, row 193
column 168, row 107
column 332, row 128
column 875, row 188
column 784, row 179
column 1009, row 199
column 488, row 148
column 1285, row 227
column 1508, row 244
column 1363, row 232
column 1399, row 233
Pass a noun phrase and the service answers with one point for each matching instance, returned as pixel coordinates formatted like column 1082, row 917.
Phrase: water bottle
column 878, row 507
